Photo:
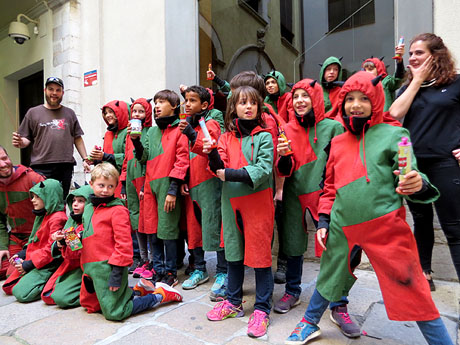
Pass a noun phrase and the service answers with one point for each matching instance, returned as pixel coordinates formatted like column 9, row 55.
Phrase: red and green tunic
column 133, row 172
column 282, row 105
column 115, row 142
column 106, row 241
column 250, row 242
column 302, row 186
column 28, row 288
column 365, row 211
column 331, row 94
column 63, row 287
column 16, row 212
column 202, row 206
column 166, row 157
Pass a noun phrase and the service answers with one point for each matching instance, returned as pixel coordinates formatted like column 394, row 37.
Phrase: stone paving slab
column 185, row 323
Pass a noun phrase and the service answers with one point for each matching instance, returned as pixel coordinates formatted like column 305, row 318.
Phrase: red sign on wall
column 90, row 78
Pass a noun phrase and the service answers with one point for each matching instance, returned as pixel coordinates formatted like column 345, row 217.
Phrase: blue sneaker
column 219, row 288
column 302, row 333
column 196, row 278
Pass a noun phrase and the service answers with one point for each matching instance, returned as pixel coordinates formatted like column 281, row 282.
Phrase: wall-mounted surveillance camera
column 19, row 31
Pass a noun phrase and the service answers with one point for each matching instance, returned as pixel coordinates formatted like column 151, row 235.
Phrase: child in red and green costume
column 15, row 209
column 329, row 77
column 202, row 194
column 244, row 161
column 63, row 287
column 115, row 115
column 133, row 179
column 277, row 95
column 165, row 155
column 108, row 252
column 34, row 264
column 362, row 206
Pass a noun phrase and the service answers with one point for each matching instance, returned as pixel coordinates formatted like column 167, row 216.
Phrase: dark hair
column 168, row 95
column 4, row 150
column 443, row 63
column 248, row 78
column 202, row 92
column 245, row 92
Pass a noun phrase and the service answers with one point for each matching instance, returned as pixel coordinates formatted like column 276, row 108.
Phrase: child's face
column 357, row 104
column 193, row 103
column 163, row 108
column 301, row 101
column 78, row 204
column 138, row 112
column 104, row 187
column 37, row 202
column 110, row 116
column 331, row 73
column 246, row 108
column 271, row 86
column 371, row 69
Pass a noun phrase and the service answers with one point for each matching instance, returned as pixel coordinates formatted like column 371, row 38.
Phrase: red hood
column 18, row 171
column 211, row 101
column 379, row 64
column 362, row 81
column 148, row 110
column 120, row 109
column 316, row 95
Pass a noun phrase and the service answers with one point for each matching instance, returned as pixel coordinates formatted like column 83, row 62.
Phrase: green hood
column 329, row 61
column 279, row 77
column 83, row 191
column 50, row 191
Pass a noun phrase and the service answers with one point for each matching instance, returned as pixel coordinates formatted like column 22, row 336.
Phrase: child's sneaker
column 198, row 277
column 224, row 310
column 170, row 279
column 286, row 303
column 140, row 269
column 340, row 316
column 258, row 324
column 219, row 288
column 189, row 270
column 144, row 287
column 135, row 264
column 169, row 294
column 302, row 333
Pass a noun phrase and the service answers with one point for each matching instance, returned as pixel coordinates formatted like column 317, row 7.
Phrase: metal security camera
column 19, row 31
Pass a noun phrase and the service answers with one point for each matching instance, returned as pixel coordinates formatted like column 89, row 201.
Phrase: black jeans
column 264, row 286
column 200, row 262
column 62, row 172
column 445, row 175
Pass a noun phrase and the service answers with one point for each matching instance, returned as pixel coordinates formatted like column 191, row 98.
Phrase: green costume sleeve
column 262, row 168
column 119, row 157
column 145, row 153
column 225, row 87
column 218, row 116
column 4, row 241
column 391, row 83
column 55, row 251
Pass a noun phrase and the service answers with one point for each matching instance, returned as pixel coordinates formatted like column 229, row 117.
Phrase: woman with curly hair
column 430, row 105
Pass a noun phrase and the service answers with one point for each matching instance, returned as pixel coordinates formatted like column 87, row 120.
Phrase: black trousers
column 62, row 172
column 444, row 174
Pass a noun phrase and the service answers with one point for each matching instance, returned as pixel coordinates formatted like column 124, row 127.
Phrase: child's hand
column 456, row 154
column 208, row 144
column 141, row 195
column 210, row 75
column 57, row 236
column 170, row 203
column 400, row 49
column 123, row 196
column 221, row 174
column 182, row 88
column 11, row 260
column 4, row 253
column 184, row 189
column 278, row 195
column 97, row 154
column 413, row 183
column 321, row 237
column 283, row 146
column 113, row 288
column 86, row 166
column 182, row 125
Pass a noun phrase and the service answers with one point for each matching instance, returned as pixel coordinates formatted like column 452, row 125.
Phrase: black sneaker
column 136, row 262
column 157, row 277
column 190, row 268
column 432, row 286
column 170, row 279
column 280, row 274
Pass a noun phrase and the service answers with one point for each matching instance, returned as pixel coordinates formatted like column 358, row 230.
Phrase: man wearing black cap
column 53, row 130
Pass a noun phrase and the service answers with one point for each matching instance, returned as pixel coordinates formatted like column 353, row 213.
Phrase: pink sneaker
column 224, row 310
column 139, row 270
column 258, row 324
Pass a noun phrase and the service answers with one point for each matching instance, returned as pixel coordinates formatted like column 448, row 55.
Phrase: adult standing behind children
column 430, row 106
column 53, row 130
column 15, row 210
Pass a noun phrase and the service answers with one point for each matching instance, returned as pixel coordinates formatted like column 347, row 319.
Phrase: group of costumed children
column 223, row 174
